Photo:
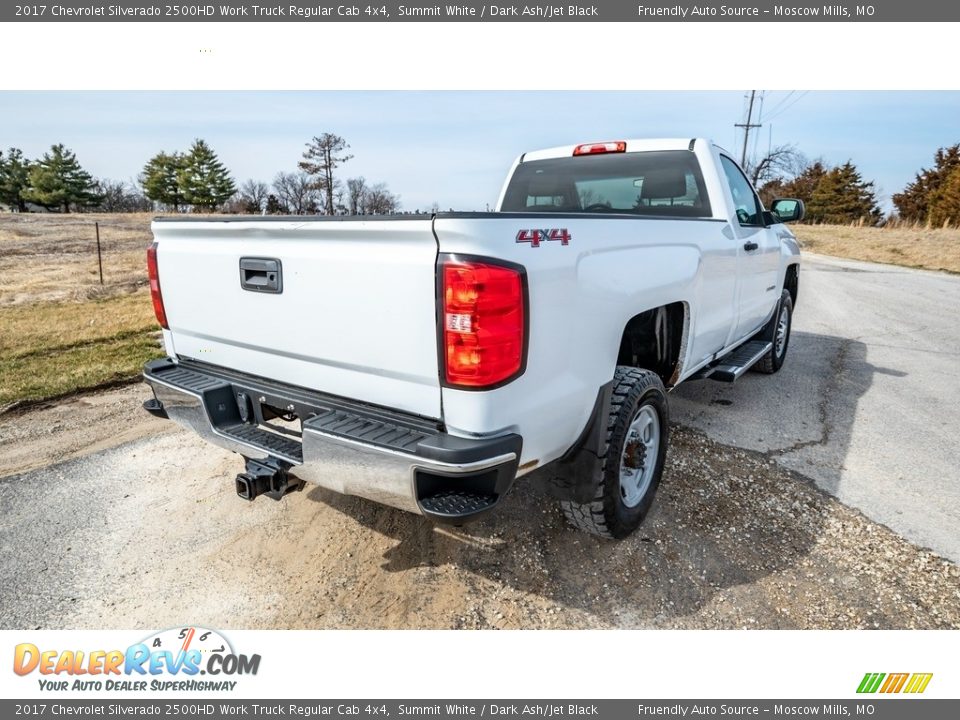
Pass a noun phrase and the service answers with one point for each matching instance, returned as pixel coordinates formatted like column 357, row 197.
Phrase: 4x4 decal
column 535, row 237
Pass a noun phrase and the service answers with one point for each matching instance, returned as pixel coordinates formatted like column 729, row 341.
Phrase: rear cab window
column 654, row 183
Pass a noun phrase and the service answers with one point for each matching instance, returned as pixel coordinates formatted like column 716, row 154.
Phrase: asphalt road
column 868, row 404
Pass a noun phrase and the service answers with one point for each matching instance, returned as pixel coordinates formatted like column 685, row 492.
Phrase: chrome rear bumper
column 354, row 449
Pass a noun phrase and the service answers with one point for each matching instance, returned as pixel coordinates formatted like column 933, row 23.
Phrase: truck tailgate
column 355, row 315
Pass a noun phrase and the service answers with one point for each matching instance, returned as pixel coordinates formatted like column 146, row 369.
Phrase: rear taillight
column 483, row 324
column 155, row 295
column 618, row 146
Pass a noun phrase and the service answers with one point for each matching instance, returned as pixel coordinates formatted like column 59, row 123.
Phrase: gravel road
column 109, row 518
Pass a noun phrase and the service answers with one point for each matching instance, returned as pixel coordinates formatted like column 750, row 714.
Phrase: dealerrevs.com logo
column 168, row 660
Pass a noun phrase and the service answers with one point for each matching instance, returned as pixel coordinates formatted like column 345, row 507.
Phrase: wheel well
column 654, row 339
column 791, row 282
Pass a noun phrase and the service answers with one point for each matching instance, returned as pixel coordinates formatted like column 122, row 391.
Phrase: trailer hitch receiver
column 266, row 477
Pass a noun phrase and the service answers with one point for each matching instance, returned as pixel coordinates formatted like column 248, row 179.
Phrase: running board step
column 732, row 366
column 456, row 506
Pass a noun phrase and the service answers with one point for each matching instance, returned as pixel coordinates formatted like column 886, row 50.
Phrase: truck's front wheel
column 633, row 458
column 777, row 333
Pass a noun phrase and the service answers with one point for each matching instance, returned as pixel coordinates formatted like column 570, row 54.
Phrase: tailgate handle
column 261, row 275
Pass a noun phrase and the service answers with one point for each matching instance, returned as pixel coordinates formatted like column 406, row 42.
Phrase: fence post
column 96, row 225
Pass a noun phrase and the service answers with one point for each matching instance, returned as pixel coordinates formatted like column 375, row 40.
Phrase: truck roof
column 633, row 145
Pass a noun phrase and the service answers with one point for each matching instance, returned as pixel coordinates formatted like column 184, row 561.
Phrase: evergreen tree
column 842, row 196
column 14, row 179
column 804, row 184
column 945, row 201
column 159, row 179
column 58, row 181
column 275, row 206
column 915, row 202
column 203, row 179
column 799, row 186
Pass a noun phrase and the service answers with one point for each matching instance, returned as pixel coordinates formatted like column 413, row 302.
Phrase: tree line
column 839, row 194
column 195, row 181
column 934, row 195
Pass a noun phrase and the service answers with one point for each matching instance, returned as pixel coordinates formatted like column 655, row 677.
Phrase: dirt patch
column 151, row 534
column 57, row 431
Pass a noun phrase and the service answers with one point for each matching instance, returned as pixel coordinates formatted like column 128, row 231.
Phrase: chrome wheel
column 783, row 327
column 638, row 461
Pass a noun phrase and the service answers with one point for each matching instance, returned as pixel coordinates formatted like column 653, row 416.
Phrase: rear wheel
column 633, row 457
column 777, row 332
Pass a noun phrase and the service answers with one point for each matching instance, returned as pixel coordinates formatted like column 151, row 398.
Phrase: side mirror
column 788, row 209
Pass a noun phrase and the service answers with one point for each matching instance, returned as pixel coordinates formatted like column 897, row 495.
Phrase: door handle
column 748, row 246
column 261, row 275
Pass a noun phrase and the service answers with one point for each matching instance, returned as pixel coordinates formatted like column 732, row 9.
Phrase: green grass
column 62, row 372
column 53, row 349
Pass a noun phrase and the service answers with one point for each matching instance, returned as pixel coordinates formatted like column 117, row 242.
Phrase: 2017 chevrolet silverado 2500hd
column 429, row 362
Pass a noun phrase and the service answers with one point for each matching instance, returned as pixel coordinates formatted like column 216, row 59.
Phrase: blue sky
column 454, row 148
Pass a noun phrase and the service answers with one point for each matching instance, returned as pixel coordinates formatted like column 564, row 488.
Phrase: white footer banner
column 210, row 664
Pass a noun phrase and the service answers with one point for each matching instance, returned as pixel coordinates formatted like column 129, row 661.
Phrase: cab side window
column 745, row 200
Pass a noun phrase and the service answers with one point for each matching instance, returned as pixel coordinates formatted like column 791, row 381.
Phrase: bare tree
column 380, row 201
column 356, row 195
column 121, row 197
column 781, row 163
column 252, row 197
column 338, row 205
column 324, row 154
column 296, row 192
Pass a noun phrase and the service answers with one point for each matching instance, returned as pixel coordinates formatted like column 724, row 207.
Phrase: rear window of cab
column 657, row 183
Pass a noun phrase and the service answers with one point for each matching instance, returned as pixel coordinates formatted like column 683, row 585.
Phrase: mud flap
column 577, row 475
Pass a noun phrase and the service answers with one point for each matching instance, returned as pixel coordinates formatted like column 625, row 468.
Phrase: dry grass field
column 46, row 258
column 61, row 331
column 913, row 247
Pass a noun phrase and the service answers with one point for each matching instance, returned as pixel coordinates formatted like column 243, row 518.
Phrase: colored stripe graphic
column 894, row 683
column 918, row 682
column 870, row 682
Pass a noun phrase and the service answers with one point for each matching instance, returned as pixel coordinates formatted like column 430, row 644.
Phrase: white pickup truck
column 429, row 362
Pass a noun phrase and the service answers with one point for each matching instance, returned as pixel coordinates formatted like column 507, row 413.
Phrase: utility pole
column 746, row 128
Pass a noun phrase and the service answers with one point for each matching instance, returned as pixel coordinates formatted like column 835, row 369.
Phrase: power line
column 787, row 107
column 780, row 104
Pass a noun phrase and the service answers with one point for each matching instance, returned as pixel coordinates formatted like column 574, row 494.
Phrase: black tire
column 773, row 360
column 607, row 514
